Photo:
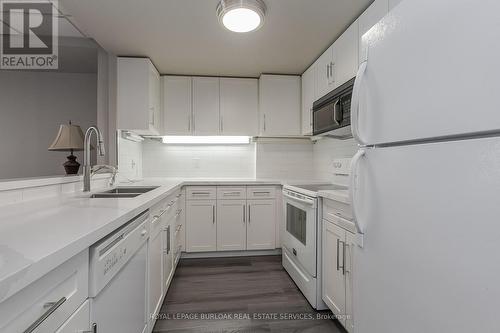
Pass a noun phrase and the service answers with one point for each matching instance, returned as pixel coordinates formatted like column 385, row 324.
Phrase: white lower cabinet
column 231, row 225
column 46, row 304
column 78, row 322
column 155, row 265
column 337, row 272
column 333, row 278
column 168, row 256
column 261, row 224
column 237, row 218
column 201, row 227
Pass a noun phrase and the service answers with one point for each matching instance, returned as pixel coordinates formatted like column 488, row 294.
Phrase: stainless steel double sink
column 124, row 192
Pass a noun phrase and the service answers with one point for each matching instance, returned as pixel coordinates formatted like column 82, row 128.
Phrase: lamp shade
column 69, row 137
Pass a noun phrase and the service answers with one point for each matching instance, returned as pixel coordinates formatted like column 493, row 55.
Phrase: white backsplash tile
column 287, row 160
column 198, row 161
column 325, row 151
column 130, row 159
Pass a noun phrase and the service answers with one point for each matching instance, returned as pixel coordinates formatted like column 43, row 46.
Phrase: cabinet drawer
column 78, row 322
column 261, row 192
column 230, row 193
column 333, row 209
column 201, row 193
column 49, row 301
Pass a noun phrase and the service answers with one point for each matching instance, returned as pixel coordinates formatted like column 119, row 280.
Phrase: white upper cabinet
column 345, row 63
column 239, row 104
column 138, row 96
column 393, row 3
column 177, row 106
column 308, row 98
column 206, row 105
column 377, row 10
column 324, row 72
column 280, row 104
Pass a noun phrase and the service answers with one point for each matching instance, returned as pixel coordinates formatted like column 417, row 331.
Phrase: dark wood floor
column 243, row 292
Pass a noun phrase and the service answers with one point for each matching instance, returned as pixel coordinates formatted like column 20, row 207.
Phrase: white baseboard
column 223, row 254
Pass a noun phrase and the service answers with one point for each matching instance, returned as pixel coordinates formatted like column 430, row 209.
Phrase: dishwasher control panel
column 109, row 255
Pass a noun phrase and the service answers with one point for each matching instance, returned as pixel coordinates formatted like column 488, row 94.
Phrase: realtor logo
column 29, row 35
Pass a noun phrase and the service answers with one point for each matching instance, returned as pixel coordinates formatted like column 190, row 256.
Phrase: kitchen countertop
column 37, row 236
column 337, row 195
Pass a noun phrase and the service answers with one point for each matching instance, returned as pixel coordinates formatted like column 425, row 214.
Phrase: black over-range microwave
column 332, row 112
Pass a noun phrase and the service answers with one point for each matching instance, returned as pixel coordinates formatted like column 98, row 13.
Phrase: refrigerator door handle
column 352, row 189
column 355, row 104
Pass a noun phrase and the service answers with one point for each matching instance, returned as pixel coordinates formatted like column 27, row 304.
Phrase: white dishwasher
column 118, row 268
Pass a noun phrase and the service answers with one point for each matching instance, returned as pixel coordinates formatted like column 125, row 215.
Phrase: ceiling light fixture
column 241, row 15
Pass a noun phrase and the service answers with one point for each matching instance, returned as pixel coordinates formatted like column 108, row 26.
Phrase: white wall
column 325, row 151
column 32, row 106
column 285, row 159
column 203, row 161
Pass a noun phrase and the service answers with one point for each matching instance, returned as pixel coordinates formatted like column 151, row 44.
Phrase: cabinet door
column 261, row 224
column 177, row 110
column 324, row 73
column 393, row 3
column 201, row 228
column 134, row 95
column 308, row 98
column 239, row 106
column 78, row 322
column 349, row 264
column 377, row 10
column 346, row 56
column 168, row 264
column 231, row 225
column 279, row 105
column 155, row 259
column 333, row 275
column 206, row 105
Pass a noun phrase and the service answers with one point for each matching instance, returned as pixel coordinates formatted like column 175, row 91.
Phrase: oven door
column 301, row 229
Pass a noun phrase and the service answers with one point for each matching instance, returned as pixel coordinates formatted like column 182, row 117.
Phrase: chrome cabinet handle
column 213, row 214
column 338, row 254
column 231, row 193
column 261, row 192
column 343, row 257
column 200, row 193
column 264, row 122
column 249, row 213
column 328, row 72
column 168, row 239
column 52, row 307
column 244, row 218
column 189, row 123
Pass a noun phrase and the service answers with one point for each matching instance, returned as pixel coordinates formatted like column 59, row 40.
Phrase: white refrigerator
column 426, row 179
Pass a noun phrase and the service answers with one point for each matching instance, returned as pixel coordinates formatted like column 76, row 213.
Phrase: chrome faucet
column 87, row 168
column 111, row 169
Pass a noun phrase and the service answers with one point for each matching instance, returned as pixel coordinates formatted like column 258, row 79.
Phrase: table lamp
column 69, row 138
